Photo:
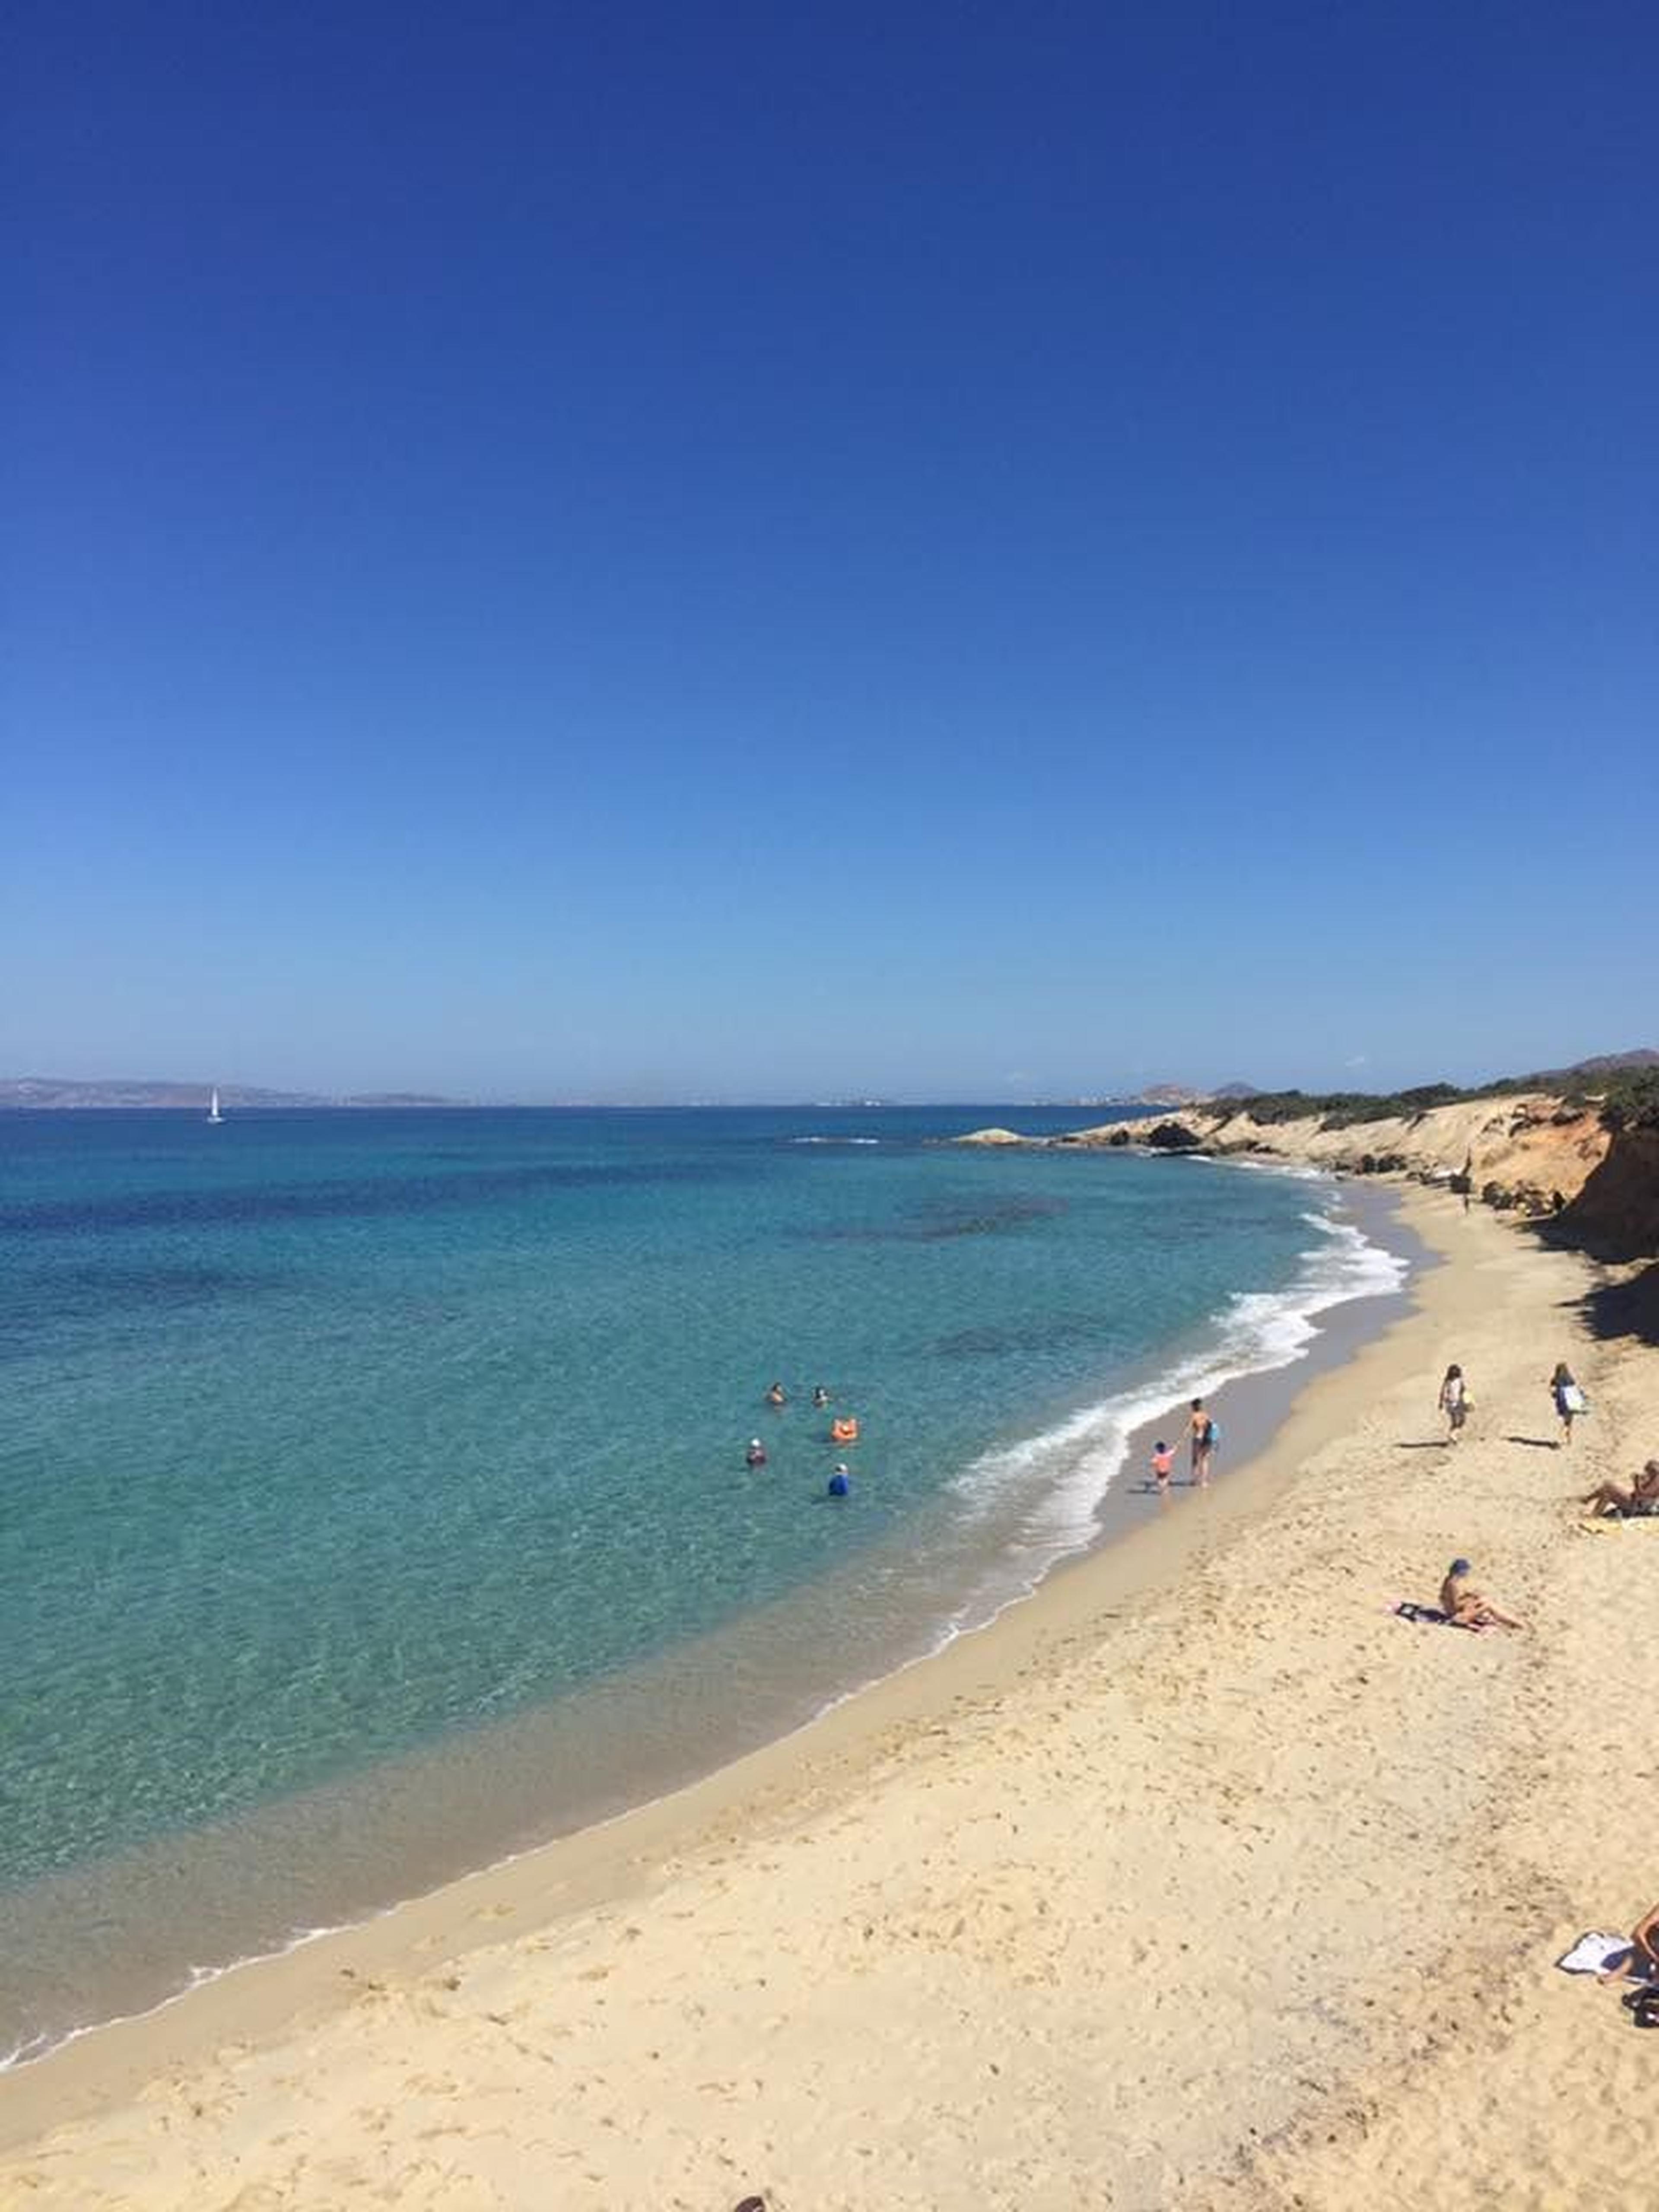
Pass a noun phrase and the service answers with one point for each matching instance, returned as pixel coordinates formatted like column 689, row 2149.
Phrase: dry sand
column 1197, row 1878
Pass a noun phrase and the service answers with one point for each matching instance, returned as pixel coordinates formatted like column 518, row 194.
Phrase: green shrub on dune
column 1626, row 1096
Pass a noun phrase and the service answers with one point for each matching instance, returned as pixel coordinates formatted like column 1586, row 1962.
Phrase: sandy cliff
column 1533, row 1152
column 1515, row 1152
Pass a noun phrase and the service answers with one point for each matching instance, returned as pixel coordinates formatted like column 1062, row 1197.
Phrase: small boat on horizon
column 214, row 1114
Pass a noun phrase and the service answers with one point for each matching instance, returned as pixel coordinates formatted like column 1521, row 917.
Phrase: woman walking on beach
column 1454, row 1403
column 1568, row 1397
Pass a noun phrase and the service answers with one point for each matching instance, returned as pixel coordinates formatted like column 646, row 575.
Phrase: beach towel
column 1403, row 1609
column 1595, row 1953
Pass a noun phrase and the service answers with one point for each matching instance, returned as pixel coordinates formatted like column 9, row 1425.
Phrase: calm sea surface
column 372, row 1486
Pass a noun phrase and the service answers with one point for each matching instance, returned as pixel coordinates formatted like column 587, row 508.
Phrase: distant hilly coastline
column 54, row 1093
column 59, row 1094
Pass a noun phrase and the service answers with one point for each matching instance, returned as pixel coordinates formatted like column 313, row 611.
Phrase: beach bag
column 1573, row 1400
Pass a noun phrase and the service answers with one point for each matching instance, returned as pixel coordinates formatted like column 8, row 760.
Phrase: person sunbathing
column 1467, row 1608
column 1643, row 1957
column 1641, row 1499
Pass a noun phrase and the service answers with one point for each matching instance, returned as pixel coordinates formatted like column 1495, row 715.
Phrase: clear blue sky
column 940, row 550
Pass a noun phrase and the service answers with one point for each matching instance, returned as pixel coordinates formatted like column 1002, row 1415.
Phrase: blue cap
column 1459, row 1567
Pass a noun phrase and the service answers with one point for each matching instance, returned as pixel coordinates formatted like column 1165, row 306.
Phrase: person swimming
column 777, row 1395
column 756, row 1454
column 841, row 1483
column 820, row 1395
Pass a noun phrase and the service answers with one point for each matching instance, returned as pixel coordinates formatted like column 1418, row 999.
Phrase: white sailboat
column 214, row 1114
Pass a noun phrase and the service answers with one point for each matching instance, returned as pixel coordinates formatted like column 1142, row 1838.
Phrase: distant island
column 61, row 1094
column 56, row 1093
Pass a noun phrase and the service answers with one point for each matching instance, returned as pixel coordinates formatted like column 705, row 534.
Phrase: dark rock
column 1172, row 1137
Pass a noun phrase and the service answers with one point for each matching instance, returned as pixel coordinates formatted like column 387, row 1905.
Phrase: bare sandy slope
column 1235, row 1892
column 1527, row 1146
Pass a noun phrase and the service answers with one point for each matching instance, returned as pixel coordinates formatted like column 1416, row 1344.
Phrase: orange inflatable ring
column 844, row 1432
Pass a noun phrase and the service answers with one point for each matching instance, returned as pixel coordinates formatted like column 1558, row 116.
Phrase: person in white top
column 1453, row 1401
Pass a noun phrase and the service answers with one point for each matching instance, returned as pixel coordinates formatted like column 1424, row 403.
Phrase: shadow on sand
column 1626, row 1309
column 1629, row 1306
column 1537, row 1444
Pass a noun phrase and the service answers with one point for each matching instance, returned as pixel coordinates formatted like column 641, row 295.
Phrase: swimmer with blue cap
column 841, row 1483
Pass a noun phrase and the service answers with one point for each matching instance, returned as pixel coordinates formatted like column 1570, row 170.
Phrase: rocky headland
column 1587, row 1165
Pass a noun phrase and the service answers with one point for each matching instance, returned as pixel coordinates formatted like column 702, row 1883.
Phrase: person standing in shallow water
column 1454, row 1403
column 1200, row 1431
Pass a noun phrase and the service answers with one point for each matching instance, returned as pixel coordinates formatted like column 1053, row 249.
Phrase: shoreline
column 1153, row 1549
column 858, row 1781
column 422, row 1802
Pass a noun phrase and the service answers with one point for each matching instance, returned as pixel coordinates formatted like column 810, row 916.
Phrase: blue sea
column 373, row 1495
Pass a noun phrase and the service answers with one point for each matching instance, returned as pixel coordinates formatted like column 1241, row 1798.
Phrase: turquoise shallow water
column 363, row 1472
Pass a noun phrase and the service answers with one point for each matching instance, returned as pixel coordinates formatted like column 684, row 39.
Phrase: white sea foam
column 835, row 1140
column 1295, row 1171
column 196, row 1977
column 1055, row 1480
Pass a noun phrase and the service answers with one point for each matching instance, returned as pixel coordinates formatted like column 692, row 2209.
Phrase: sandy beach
column 1198, row 1877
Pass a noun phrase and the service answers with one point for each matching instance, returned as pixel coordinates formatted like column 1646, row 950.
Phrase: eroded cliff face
column 1615, row 1214
column 1531, row 1152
